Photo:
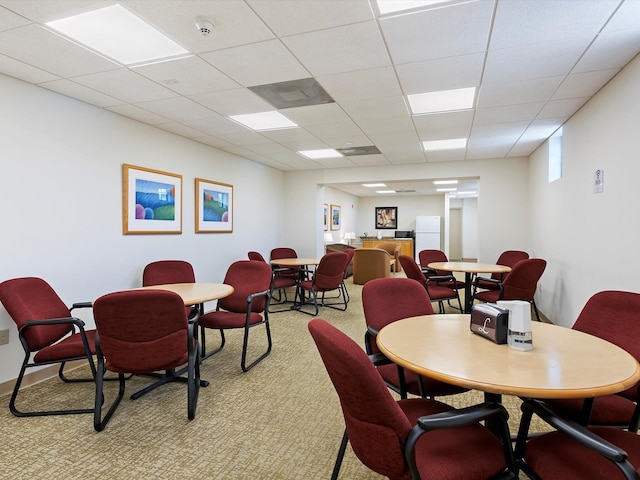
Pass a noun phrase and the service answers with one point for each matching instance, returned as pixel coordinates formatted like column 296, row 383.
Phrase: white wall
column 349, row 208
column 590, row 240
column 61, row 192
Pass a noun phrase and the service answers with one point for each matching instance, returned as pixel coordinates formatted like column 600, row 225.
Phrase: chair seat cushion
column 69, row 347
column 480, row 283
column 606, row 410
column 283, row 282
column 437, row 292
column 223, row 319
column 440, row 454
column 490, row 296
column 553, row 456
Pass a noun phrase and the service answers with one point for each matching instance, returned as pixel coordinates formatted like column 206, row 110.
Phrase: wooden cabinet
column 406, row 244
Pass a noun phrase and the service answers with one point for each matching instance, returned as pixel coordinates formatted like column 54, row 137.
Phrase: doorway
column 455, row 234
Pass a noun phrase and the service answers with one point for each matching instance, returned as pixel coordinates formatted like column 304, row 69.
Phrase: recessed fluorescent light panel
column 373, row 185
column 392, row 6
column 385, row 191
column 442, row 101
column 445, row 182
column 468, row 193
column 264, row 121
column 119, row 34
column 446, row 189
column 452, row 143
column 324, row 153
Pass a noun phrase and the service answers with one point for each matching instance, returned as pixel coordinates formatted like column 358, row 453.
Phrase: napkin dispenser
column 490, row 321
column 520, row 335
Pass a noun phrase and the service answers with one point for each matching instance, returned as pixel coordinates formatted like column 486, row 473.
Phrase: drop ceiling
column 534, row 64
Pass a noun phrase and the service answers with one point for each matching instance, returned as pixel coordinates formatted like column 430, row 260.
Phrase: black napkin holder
column 490, row 321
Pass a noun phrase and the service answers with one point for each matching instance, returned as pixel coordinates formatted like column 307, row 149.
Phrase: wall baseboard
column 39, row 376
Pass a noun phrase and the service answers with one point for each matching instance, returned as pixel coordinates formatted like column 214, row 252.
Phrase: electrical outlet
column 4, row 336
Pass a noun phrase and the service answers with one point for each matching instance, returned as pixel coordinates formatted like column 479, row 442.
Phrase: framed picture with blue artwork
column 214, row 207
column 151, row 201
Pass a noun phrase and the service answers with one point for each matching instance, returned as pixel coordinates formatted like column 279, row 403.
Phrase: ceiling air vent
column 353, row 151
column 405, row 191
column 294, row 93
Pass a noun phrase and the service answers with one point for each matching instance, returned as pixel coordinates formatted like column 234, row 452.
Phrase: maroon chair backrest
column 32, row 298
column 142, row 331
column 246, row 277
column 522, row 281
column 429, row 256
column 283, row 252
column 167, row 271
column 614, row 316
column 376, row 425
column 330, row 271
column 411, row 269
column 385, row 300
column 509, row 258
column 256, row 256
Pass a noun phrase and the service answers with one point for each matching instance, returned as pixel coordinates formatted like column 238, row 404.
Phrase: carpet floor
column 281, row 420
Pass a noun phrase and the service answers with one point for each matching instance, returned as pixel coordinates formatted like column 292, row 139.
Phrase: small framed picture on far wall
column 336, row 221
column 386, row 217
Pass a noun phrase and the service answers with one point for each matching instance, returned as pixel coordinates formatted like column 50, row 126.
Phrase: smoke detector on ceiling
column 204, row 26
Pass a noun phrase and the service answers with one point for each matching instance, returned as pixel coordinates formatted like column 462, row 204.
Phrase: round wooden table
column 195, row 293
column 564, row 363
column 295, row 262
column 469, row 268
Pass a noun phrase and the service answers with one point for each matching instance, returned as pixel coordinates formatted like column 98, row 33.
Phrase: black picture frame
column 386, row 218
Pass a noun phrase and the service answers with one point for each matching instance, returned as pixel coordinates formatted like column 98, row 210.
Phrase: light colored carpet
column 281, row 420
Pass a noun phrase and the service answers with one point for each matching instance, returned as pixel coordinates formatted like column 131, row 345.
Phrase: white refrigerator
column 427, row 233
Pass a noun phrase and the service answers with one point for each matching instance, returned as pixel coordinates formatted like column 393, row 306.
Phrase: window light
column 442, row 101
column 118, row 34
column 264, row 121
column 373, row 185
column 324, row 153
column 433, row 145
column 555, row 156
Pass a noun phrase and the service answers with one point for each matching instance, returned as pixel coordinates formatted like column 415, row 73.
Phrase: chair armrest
column 54, row 321
column 458, row 418
column 372, row 331
column 440, row 278
column 428, row 271
column 81, row 305
column 490, row 280
column 253, row 296
column 573, row 430
column 379, row 359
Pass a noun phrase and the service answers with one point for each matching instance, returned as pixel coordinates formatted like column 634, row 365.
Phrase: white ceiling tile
column 342, row 129
column 562, row 108
column 341, row 162
column 439, row 33
column 508, row 113
column 233, row 102
column 369, row 160
column 24, row 71
column 178, row 109
column 180, row 129
column 216, row 125
column 441, row 74
column 257, row 63
column 316, row 114
column 497, row 134
column 80, row 92
column 296, row 138
column 298, row 16
column 138, row 114
column 187, row 76
column 234, row 23
column 372, row 126
column 541, row 129
column 583, row 84
column 524, row 148
column 242, row 139
column 125, row 85
column 481, row 152
column 514, row 93
column 213, row 141
column 9, row 20
column 268, row 148
column 347, row 141
column 37, row 46
column 376, row 108
column 447, row 133
column 534, row 61
column 361, row 84
column 524, row 22
column 461, row 119
column 610, row 51
column 447, row 156
column 625, row 18
column 340, row 49
column 43, row 11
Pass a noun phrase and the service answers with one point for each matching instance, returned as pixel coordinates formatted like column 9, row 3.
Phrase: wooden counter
column 406, row 244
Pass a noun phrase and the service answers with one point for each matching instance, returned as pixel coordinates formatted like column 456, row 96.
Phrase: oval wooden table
column 564, row 363
column 469, row 268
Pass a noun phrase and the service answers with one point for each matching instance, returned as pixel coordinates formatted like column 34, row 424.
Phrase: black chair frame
column 299, row 304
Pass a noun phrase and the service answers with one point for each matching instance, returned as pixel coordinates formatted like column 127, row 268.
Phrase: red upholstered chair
column 328, row 276
column 615, row 317
column 425, row 257
column 142, row 332
column 520, row 284
column 46, row 329
column 286, row 252
column 384, row 301
column 573, row 452
column 169, row 271
column 247, row 307
column 279, row 283
column 437, row 293
column 408, row 438
column 508, row 258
